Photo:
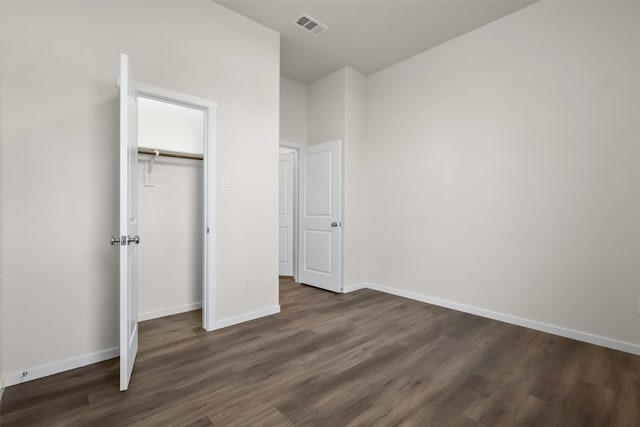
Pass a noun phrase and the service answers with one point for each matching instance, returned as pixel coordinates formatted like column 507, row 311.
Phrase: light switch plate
column 226, row 183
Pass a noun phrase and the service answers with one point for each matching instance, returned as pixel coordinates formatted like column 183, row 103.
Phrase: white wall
column 355, row 183
column 60, row 165
column 327, row 108
column 294, row 98
column 168, row 126
column 170, row 214
column 503, row 169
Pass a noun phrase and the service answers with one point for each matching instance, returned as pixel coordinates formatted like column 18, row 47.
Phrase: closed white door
column 128, row 239
column 320, row 235
column 286, row 213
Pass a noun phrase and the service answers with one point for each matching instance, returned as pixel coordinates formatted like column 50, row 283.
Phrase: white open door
column 320, row 236
column 286, row 214
column 129, row 238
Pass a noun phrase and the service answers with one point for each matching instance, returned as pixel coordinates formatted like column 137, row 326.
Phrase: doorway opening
column 176, row 194
column 287, row 202
column 310, row 214
column 170, row 207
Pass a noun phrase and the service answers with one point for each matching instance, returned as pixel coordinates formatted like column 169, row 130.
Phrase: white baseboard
column 76, row 362
column 168, row 311
column 60, row 366
column 234, row 320
column 356, row 287
column 507, row 318
column 87, row 359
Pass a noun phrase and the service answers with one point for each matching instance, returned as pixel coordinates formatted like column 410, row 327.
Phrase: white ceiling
column 367, row 35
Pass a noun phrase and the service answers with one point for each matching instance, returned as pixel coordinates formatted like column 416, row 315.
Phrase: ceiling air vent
column 310, row 24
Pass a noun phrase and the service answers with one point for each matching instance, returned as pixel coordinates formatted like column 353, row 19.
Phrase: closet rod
column 166, row 153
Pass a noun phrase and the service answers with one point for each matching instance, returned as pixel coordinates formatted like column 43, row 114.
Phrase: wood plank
column 364, row 358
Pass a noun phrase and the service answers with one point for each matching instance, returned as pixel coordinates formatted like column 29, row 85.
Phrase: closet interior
column 170, row 207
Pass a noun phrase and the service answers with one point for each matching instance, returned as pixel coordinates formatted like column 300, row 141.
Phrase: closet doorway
column 288, row 200
column 175, row 203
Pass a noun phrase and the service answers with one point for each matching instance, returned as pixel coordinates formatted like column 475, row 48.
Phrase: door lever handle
column 336, row 224
column 124, row 240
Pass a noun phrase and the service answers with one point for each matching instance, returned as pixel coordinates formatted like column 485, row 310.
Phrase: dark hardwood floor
column 364, row 358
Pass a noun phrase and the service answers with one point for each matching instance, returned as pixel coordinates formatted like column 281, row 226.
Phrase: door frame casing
column 209, row 108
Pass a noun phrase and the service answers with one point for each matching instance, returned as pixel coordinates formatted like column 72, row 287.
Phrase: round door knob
column 134, row 239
